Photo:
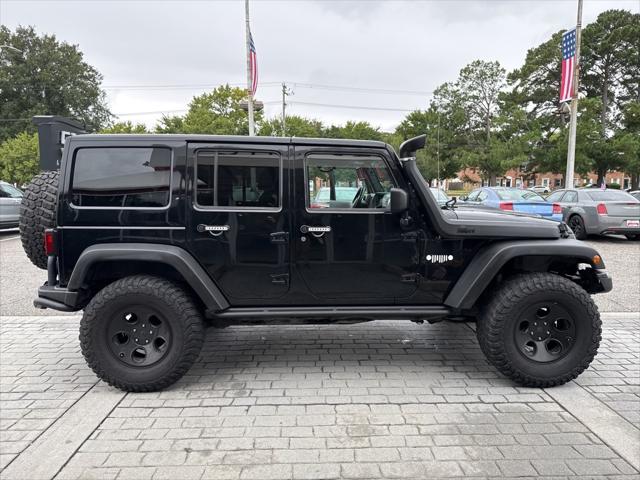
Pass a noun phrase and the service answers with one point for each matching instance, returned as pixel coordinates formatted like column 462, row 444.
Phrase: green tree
column 440, row 159
column 19, row 158
column 296, row 126
column 217, row 113
column 42, row 76
column 125, row 127
column 627, row 142
column 611, row 62
column 355, row 130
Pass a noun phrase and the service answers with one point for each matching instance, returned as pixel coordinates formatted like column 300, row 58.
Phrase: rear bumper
column 50, row 295
column 616, row 225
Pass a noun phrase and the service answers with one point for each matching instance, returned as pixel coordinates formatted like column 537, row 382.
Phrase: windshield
column 609, row 195
column 10, row 191
column 439, row 194
column 343, row 194
column 519, row 195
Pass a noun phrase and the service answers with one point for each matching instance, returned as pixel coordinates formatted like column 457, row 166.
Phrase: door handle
column 279, row 237
column 214, row 230
column 315, row 231
column 280, row 278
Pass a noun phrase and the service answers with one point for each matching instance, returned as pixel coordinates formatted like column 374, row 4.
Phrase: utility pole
column 571, row 152
column 285, row 92
column 249, row 87
column 438, row 150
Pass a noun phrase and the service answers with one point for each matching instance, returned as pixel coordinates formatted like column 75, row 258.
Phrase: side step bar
column 382, row 312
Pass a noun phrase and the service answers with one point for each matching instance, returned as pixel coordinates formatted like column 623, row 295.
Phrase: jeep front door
column 348, row 246
column 239, row 227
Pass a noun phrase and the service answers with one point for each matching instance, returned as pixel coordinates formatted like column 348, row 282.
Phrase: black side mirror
column 399, row 201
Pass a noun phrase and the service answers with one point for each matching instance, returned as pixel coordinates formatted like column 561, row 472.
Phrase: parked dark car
column 592, row 211
column 514, row 200
column 153, row 236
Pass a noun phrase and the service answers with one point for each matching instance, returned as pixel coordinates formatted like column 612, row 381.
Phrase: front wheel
column 633, row 236
column 141, row 333
column 540, row 330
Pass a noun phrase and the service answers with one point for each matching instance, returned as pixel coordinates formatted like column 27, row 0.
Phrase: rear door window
column 121, row 178
column 238, row 179
column 570, row 197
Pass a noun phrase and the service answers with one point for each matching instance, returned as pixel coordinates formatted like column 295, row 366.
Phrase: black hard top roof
column 230, row 139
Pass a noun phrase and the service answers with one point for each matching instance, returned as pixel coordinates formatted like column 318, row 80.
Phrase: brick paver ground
column 377, row 400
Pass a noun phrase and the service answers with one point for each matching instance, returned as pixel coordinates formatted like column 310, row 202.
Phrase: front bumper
column 604, row 280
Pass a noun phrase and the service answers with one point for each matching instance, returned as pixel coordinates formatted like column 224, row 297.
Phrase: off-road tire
column 496, row 322
column 37, row 213
column 577, row 226
column 185, row 321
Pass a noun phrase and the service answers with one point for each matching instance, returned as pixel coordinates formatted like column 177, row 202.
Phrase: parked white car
column 540, row 189
column 10, row 198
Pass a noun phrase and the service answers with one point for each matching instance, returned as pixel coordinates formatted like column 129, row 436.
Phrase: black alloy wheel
column 140, row 335
column 546, row 332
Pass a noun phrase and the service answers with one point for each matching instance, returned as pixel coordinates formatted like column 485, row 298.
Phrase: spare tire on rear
column 37, row 213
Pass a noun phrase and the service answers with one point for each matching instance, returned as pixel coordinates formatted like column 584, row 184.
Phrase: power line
column 354, row 107
column 313, row 86
column 184, row 86
column 361, row 89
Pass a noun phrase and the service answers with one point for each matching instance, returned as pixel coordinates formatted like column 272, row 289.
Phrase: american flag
column 568, row 64
column 253, row 61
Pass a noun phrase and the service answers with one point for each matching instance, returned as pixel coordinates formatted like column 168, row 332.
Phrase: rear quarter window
column 119, row 177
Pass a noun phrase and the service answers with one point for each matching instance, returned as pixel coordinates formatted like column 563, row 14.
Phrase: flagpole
column 249, row 86
column 571, row 151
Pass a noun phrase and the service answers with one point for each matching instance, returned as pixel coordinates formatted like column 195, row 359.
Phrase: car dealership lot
column 381, row 399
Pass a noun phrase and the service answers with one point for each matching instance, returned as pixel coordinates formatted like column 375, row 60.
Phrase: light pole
column 249, row 79
column 571, row 150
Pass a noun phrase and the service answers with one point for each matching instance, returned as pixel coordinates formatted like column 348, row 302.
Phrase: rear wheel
column 633, row 237
column 141, row 333
column 577, row 226
column 37, row 213
column 540, row 330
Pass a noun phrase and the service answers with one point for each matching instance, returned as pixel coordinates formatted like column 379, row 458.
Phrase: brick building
column 470, row 177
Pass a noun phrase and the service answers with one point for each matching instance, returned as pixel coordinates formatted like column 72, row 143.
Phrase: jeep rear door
column 238, row 226
column 348, row 247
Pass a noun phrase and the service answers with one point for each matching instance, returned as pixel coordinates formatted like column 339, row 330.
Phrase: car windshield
column 10, row 191
column 518, row 195
column 609, row 195
column 439, row 194
column 343, row 194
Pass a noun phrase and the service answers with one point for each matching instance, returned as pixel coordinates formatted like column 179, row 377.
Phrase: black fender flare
column 171, row 255
column 488, row 261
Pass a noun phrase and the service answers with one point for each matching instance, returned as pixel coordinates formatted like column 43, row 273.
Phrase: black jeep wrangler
column 154, row 236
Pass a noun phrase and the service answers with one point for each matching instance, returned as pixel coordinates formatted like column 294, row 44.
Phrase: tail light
column 557, row 208
column 507, row 206
column 601, row 209
column 50, row 242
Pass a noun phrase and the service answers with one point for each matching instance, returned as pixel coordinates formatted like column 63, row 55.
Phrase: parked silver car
column 592, row 211
column 10, row 198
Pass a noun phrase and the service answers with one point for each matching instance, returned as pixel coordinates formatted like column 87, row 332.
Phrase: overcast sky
column 156, row 55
